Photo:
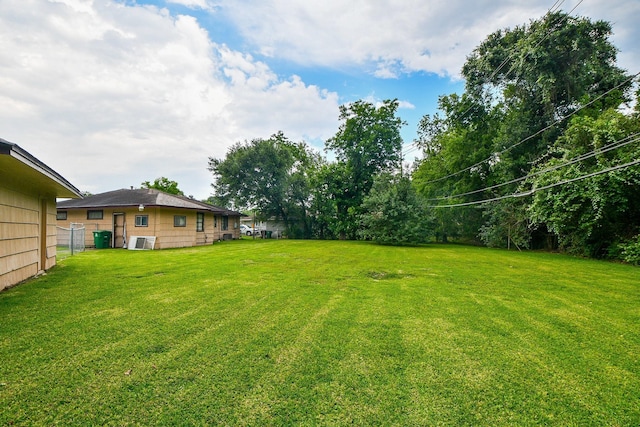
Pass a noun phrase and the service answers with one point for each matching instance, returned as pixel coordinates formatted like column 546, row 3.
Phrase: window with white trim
column 200, row 221
column 179, row 221
column 94, row 214
column 142, row 220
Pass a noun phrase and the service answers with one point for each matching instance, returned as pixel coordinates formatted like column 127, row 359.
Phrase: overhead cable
column 509, row 148
column 547, row 34
column 555, row 7
column 618, row 144
column 546, row 187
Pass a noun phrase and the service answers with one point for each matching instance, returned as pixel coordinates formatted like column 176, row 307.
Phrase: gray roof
column 142, row 196
column 19, row 167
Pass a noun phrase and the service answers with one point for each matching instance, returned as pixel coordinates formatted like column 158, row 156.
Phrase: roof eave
column 64, row 188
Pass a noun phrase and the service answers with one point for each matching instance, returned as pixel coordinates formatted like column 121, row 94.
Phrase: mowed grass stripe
column 271, row 392
column 327, row 333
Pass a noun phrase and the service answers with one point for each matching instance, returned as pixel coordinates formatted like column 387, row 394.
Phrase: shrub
column 394, row 214
column 631, row 251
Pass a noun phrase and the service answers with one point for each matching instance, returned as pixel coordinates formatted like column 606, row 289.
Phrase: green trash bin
column 102, row 239
column 269, row 232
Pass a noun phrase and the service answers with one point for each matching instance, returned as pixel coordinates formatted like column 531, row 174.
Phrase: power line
column 410, row 150
column 546, row 187
column 555, row 7
column 548, row 33
column 618, row 144
column 560, row 120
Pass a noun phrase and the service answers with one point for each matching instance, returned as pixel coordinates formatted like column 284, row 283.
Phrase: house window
column 200, row 221
column 215, row 221
column 94, row 215
column 225, row 222
column 179, row 221
column 61, row 215
column 142, row 220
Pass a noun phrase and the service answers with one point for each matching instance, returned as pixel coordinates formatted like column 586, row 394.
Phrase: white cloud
column 408, row 35
column 624, row 16
column 201, row 4
column 406, row 105
column 111, row 95
column 307, row 109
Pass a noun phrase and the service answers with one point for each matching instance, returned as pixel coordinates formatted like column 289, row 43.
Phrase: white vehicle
column 249, row 231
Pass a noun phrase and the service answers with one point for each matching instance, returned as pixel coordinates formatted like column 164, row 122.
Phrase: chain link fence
column 70, row 240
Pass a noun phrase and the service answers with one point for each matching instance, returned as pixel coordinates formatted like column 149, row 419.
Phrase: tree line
column 540, row 151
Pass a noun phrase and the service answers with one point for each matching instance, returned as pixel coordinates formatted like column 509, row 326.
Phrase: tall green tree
column 542, row 72
column 591, row 216
column 393, row 213
column 270, row 176
column 327, row 192
column 526, row 81
column 164, row 184
column 458, row 138
column 552, row 67
column 367, row 143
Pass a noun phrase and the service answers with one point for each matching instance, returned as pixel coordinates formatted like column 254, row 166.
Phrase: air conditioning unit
column 140, row 243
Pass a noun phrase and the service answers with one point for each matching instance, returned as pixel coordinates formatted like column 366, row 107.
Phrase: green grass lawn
column 322, row 333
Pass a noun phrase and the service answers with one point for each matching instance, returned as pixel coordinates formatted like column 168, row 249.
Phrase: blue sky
column 418, row 91
column 111, row 93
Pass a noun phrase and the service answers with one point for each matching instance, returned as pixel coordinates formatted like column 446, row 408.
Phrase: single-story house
column 171, row 221
column 28, row 192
